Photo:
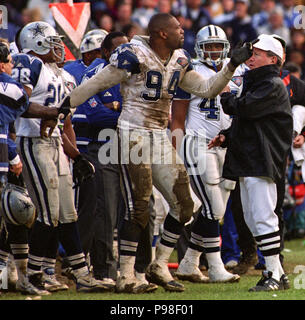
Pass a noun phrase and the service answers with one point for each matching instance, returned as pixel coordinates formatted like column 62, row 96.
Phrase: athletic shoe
column 142, row 277
column 266, row 283
column 133, row 285
column 26, row 287
column 36, row 280
column 231, row 264
column 248, row 260
column 190, row 272
column 222, row 276
column 108, row 282
column 51, row 283
column 88, row 284
column 158, row 273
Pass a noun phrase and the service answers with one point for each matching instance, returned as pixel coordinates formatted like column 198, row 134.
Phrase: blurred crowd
column 243, row 20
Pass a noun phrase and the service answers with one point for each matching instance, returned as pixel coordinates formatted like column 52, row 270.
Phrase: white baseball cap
column 267, row 42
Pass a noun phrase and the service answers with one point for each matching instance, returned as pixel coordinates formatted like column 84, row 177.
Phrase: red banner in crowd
column 72, row 21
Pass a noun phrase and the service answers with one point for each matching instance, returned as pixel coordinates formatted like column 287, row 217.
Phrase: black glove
column 65, row 109
column 82, row 170
column 242, row 54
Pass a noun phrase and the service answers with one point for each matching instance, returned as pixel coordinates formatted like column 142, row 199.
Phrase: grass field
column 294, row 255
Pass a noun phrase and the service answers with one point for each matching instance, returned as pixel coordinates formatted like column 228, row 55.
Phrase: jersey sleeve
column 26, row 70
column 125, row 58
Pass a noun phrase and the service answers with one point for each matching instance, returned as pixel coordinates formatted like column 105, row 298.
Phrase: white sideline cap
column 269, row 43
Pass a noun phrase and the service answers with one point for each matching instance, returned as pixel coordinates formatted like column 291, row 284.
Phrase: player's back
column 148, row 92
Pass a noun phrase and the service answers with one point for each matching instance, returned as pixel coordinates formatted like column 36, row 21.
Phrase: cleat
column 248, row 260
column 222, row 276
column 284, row 283
column 26, row 287
column 266, row 283
column 37, row 281
column 134, row 285
column 231, row 264
column 159, row 274
column 190, row 272
column 107, row 282
column 88, row 284
column 51, row 283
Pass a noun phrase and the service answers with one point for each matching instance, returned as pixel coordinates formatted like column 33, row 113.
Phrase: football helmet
column 91, row 42
column 211, row 34
column 101, row 32
column 16, row 205
column 40, row 37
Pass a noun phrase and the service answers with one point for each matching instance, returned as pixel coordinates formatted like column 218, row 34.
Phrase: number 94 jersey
column 47, row 90
column 151, row 85
column 205, row 117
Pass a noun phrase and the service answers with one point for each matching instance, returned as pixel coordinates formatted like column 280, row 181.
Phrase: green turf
column 294, row 255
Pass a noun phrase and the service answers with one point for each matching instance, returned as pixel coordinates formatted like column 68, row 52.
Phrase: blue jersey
column 77, row 69
column 13, row 102
column 93, row 111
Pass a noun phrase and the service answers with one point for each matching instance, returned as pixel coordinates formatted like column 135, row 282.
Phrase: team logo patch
column 70, row 85
column 182, row 61
column 93, row 103
column 238, row 80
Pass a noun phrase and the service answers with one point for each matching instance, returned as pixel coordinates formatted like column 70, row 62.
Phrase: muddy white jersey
column 149, row 90
column 205, row 117
column 47, row 90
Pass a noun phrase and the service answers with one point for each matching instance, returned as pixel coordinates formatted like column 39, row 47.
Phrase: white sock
column 163, row 253
column 192, row 256
column 215, row 261
column 127, row 266
column 273, row 264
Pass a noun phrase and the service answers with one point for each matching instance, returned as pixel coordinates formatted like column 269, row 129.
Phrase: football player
column 46, row 168
column 201, row 119
column 149, row 70
column 90, row 50
column 17, row 209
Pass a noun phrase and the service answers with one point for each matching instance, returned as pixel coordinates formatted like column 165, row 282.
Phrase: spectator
column 290, row 16
column 124, row 14
column 294, row 69
column 240, row 27
column 164, row 6
column 261, row 18
column 193, row 17
column 144, row 12
column 275, row 25
column 106, row 22
column 228, row 12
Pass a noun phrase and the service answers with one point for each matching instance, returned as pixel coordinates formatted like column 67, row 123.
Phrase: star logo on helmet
column 38, row 30
column 88, row 42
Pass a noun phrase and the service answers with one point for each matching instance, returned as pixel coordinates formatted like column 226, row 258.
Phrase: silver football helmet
column 40, row 37
column 101, row 32
column 16, row 205
column 91, row 42
column 211, row 34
